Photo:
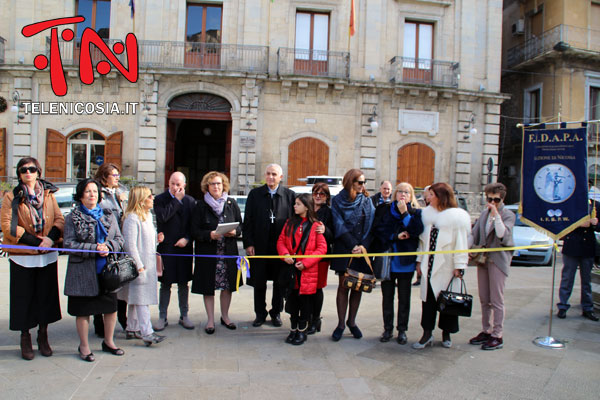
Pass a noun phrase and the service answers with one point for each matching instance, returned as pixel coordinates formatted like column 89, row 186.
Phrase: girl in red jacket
column 299, row 236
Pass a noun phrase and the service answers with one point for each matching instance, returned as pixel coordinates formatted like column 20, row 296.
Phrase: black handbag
column 454, row 303
column 118, row 271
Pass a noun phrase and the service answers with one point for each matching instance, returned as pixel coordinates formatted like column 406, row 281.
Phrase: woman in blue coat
column 399, row 227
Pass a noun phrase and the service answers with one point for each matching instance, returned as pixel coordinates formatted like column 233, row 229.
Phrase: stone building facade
column 234, row 85
column 551, row 54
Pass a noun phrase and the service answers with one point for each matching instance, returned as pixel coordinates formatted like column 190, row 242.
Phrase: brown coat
column 52, row 218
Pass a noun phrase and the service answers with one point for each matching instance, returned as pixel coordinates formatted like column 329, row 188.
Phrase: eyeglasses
column 318, row 194
column 215, row 183
column 361, row 182
column 403, row 192
column 494, row 199
column 115, row 175
column 24, row 170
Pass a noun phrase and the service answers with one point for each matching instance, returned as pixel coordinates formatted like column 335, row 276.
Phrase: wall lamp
column 17, row 105
column 373, row 121
column 471, row 126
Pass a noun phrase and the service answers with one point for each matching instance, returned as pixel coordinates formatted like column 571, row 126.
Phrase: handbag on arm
column 119, row 270
column 359, row 281
column 455, row 303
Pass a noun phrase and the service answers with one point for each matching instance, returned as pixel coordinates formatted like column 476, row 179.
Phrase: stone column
column 147, row 172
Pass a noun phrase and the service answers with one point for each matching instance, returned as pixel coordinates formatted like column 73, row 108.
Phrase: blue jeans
column 568, row 279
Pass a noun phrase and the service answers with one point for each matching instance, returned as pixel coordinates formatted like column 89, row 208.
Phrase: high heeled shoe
column 115, row 352
column 337, row 334
column 420, row 346
column 86, row 357
column 355, row 331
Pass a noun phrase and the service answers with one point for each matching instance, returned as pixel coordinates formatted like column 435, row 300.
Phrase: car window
column 241, row 201
column 64, row 196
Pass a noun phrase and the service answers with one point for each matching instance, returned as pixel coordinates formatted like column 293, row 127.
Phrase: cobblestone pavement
column 255, row 363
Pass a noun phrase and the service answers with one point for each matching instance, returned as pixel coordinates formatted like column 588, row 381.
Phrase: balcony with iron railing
column 313, row 63
column 559, row 38
column 157, row 54
column 424, row 72
column 2, row 42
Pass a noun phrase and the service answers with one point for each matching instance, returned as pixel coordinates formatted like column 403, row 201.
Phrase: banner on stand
column 554, row 180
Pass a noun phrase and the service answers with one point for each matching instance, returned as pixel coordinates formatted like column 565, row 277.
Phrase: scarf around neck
column 35, row 204
column 216, row 204
column 96, row 213
column 347, row 213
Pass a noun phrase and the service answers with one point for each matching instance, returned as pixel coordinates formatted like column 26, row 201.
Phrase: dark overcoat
column 257, row 229
column 204, row 221
column 173, row 219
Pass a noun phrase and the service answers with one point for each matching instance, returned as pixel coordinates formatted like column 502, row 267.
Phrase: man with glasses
column 173, row 210
column 267, row 209
column 384, row 195
column 493, row 229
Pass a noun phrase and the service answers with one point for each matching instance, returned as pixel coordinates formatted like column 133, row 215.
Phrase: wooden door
column 170, row 156
column 416, row 165
column 56, row 156
column 307, row 156
column 113, row 149
column 3, row 174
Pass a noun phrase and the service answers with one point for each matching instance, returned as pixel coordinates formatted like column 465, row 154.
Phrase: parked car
column 525, row 235
column 241, row 200
column 64, row 196
column 334, row 183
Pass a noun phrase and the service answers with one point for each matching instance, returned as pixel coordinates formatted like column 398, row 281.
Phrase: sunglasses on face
column 115, row 175
column 317, row 194
column 24, row 170
column 494, row 199
column 361, row 182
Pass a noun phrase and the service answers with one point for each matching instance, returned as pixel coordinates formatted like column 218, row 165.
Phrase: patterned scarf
column 347, row 213
column 35, row 202
column 101, row 232
column 216, row 204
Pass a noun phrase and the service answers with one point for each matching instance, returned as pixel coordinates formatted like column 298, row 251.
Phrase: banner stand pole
column 549, row 342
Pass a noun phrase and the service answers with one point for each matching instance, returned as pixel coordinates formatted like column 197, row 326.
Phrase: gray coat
column 140, row 243
column 80, row 233
column 502, row 259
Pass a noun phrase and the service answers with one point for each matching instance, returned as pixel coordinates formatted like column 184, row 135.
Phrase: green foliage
column 128, row 181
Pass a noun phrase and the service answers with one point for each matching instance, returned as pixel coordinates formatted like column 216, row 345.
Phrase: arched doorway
column 307, row 156
column 416, row 165
column 198, row 138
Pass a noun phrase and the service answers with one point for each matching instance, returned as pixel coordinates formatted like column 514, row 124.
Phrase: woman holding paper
column 211, row 274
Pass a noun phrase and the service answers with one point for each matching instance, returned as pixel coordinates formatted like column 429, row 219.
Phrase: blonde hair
column 213, row 174
column 135, row 204
column 413, row 200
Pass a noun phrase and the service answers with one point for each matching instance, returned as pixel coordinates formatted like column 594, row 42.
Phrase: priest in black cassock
column 267, row 209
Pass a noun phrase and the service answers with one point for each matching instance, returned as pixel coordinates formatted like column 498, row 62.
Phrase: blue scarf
column 347, row 214
column 101, row 232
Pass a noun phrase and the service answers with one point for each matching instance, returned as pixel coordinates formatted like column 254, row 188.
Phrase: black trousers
column 447, row 322
column 33, row 296
column 299, row 306
column 317, row 304
column 401, row 280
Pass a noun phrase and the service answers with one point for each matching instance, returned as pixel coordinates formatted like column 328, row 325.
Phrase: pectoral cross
column 272, row 217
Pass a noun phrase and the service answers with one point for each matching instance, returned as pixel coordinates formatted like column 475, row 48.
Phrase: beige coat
column 454, row 225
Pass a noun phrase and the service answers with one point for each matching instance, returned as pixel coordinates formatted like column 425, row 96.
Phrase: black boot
column 26, row 347
column 99, row 325
column 314, row 326
column 42, row 341
column 301, row 335
column 293, row 331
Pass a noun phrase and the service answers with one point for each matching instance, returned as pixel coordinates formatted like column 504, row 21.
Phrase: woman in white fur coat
column 447, row 227
column 140, row 242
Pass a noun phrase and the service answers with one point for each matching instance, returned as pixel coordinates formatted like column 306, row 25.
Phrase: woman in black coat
column 212, row 274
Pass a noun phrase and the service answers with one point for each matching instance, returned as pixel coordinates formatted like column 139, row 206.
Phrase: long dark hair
column 350, row 177
column 295, row 220
column 445, row 195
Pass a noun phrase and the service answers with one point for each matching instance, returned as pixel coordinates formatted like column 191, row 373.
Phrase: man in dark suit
column 173, row 210
column 267, row 209
column 579, row 249
column 385, row 194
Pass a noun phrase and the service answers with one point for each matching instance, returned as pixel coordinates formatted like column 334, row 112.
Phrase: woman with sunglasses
column 493, row 229
column 108, row 175
column 321, row 200
column 353, row 214
column 31, row 217
column 140, row 242
column 446, row 227
column 398, row 226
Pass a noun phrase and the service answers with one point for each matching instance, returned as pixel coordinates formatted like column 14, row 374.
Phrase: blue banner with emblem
column 554, row 181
